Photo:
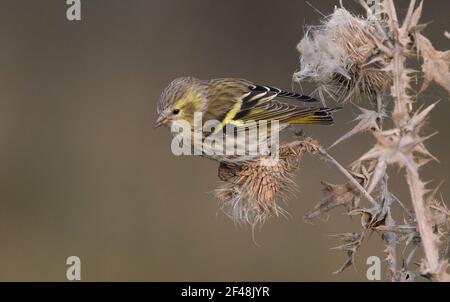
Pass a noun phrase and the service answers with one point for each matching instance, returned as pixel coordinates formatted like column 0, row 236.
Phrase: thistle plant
column 365, row 60
column 368, row 58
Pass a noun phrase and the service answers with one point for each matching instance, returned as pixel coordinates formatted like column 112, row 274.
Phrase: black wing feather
column 276, row 92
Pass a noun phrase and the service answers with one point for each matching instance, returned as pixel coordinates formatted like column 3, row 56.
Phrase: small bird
column 232, row 101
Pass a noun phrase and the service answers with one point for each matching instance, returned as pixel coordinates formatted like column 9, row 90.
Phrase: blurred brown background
column 84, row 173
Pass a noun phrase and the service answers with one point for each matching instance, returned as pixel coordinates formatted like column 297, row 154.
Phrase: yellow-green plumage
column 235, row 101
column 230, row 100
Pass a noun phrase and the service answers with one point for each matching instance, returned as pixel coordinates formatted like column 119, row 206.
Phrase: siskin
column 234, row 102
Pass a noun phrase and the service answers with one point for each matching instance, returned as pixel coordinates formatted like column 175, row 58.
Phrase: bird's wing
column 237, row 99
column 268, row 91
column 285, row 113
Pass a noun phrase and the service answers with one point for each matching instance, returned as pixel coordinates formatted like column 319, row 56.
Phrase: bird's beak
column 161, row 121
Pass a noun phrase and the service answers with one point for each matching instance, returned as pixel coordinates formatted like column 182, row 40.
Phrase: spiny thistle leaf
column 352, row 242
column 436, row 64
column 368, row 119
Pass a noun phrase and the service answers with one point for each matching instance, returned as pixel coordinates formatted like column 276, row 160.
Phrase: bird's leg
column 299, row 133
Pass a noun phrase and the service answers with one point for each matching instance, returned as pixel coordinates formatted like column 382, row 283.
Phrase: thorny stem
column 390, row 237
column 400, row 111
column 401, row 117
column 386, row 198
column 395, row 44
column 349, row 176
column 425, row 230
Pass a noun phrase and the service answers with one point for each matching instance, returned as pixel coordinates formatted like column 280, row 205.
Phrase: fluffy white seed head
column 341, row 57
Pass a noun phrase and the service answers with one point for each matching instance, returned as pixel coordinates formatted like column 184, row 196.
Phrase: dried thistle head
column 252, row 190
column 342, row 57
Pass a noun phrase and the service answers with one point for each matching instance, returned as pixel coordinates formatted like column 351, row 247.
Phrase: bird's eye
column 176, row 111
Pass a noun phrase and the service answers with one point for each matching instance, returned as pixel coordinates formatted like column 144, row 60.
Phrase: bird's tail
column 321, row 116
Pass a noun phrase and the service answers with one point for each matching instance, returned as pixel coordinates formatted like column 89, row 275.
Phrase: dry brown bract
column 252, row 191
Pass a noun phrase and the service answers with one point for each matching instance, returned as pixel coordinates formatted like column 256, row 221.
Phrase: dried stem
column 401, row 118
column 390, row 237
column 426, row 233
column 349, row 176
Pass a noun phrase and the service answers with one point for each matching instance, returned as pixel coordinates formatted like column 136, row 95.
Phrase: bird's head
column 179, row 101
